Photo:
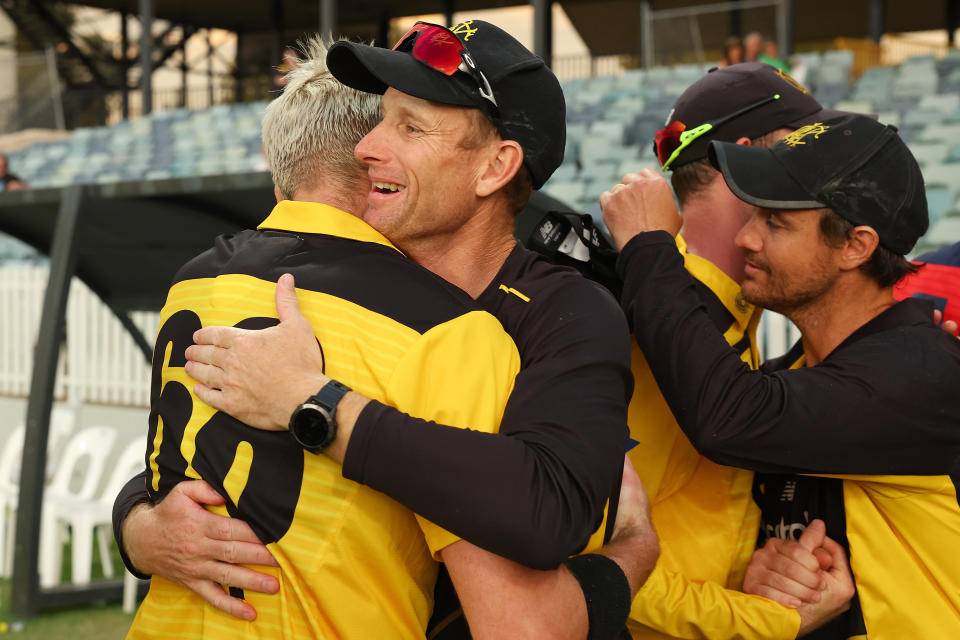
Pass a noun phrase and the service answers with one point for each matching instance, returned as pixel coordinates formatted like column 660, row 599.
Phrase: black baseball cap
column 530, row 106
column 725, row 91
column 853, row 164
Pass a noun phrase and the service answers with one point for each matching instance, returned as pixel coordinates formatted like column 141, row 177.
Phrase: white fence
column 99, row 363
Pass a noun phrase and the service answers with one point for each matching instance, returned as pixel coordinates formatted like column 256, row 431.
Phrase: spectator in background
column 939, row 280
column 9, row 181
column 752, row 46
column 732, row 52
column 771, row 56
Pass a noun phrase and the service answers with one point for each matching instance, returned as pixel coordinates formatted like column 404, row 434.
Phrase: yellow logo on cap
column 797, row 136
column 786, row 77
column 465, row 29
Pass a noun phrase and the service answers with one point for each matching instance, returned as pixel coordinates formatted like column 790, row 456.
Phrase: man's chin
column 752, row 293
column 387, row 223
column 377, row 218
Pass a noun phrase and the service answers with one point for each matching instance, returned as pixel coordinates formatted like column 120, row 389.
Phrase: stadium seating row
column 167, row 144
column 611, row 121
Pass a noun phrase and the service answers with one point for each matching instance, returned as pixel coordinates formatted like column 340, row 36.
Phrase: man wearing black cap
column 704, row 512
column 472, row 122
column 750, row 103
column 869, row 390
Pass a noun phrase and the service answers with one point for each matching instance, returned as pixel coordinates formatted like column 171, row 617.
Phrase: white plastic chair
column 62, row 422
column 92, row 444
column 9, row 493
column 86, row 517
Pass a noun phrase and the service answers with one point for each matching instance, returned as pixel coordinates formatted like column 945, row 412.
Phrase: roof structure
column 355, row 16
column 607, row 26
column 612, row 26
column 132, row 236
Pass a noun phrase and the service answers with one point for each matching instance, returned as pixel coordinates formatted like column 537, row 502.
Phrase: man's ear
column 502, row 165
column 277, row 194
column 859, row 247
column 745, row 141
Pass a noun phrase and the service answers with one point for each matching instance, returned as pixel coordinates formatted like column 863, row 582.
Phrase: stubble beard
column 785, row 297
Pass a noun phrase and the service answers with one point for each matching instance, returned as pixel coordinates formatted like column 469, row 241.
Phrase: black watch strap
column 313, row 424
column 329, row 395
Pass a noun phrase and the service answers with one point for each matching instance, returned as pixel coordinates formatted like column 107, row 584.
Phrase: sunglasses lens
column 434, row 46
column 667, row 140
column 406, row 42
column 438, row 48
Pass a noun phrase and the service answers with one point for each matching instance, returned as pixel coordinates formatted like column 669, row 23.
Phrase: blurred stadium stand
column 166, row 144
column 611, row 121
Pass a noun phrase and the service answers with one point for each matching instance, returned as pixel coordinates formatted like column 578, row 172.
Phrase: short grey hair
column 309, row 131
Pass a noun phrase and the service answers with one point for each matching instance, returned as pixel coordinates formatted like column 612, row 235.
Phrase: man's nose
column 369, row 149
column 748, row 238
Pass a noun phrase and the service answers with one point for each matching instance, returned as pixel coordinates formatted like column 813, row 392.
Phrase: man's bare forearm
column 348, row 411
column 636, row 552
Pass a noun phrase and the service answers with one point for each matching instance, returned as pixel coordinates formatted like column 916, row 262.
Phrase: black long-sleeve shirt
column 566, row 416
column 534, row 497
column 884, row 401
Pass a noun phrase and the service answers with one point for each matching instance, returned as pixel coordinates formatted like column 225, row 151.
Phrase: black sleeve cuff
column 132, row 494
column 355, row 458
column 637, row 244
column 606, row 592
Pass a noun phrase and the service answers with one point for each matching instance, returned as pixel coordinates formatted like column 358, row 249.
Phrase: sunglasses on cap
column 438, row 48
column 674, row 138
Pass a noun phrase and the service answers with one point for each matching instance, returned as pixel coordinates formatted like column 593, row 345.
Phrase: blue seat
column 569, row 192
column 939, row 201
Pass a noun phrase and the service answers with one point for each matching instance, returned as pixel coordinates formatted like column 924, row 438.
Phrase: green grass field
column 91, row 622
column 95, row 622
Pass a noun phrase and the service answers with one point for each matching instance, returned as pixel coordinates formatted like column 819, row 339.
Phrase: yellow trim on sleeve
column 510, row 290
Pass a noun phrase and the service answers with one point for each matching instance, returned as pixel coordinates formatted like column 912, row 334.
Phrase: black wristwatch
column 313, row 424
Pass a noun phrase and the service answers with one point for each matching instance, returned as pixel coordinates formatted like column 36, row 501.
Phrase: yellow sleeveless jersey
column 703, row 512
column 353, row 562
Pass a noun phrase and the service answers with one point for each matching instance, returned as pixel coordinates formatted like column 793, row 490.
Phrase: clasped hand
column 811, row 575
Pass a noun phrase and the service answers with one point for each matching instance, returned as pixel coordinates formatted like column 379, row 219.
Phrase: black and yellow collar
column 723, row 286
column 314, row 217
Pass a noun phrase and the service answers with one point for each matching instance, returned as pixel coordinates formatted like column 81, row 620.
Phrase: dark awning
column 132, row 236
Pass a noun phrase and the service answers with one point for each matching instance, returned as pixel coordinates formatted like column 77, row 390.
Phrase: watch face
column 311, row 425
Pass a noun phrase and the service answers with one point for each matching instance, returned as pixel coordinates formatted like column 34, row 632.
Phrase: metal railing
column 586, row 66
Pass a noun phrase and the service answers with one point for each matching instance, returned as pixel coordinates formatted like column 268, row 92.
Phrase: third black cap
column 854, row 165
column 725, row 91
